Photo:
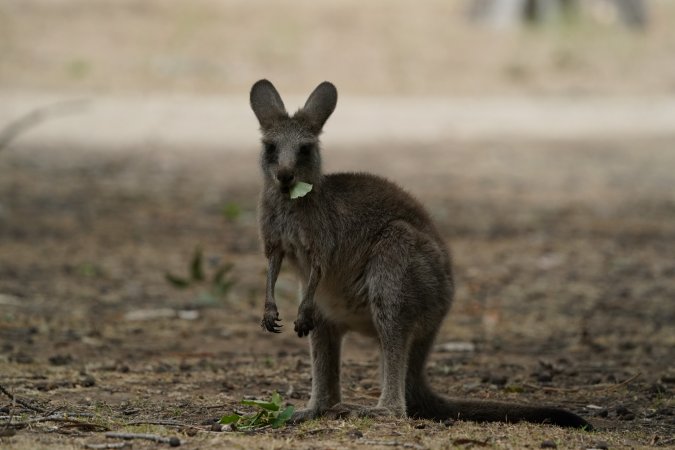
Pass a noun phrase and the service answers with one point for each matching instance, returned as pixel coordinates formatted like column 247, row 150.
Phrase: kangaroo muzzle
column 286, row 179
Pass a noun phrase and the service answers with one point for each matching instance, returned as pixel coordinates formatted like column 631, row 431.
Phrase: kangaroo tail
column 435, row 407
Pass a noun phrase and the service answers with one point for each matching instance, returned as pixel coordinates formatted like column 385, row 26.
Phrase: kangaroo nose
column 285, row 178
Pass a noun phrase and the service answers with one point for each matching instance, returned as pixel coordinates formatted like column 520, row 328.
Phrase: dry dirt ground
column 564, row 267
column 563, row 247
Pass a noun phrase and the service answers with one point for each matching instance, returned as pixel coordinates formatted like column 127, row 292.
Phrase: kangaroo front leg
column 271, row 314
column 305, row 320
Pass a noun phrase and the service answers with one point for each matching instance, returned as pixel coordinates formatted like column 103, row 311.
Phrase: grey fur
column 369, row 260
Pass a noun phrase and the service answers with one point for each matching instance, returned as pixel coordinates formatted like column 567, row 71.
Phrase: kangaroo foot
column 346, row 410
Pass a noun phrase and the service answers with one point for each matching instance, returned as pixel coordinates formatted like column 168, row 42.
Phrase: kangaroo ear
column 320, row 105
column 266, row 103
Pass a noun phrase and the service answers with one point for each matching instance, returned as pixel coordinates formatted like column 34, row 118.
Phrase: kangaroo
column 370, row 260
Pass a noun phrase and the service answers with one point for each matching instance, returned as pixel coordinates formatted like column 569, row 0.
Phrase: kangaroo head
column 291, row 143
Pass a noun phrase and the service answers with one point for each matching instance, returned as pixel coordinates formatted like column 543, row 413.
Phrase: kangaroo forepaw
column 304, row 323
column 270, row 319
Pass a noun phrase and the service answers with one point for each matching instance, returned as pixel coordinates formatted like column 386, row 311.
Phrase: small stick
column 166, row 423
column 19, row 401
column 172, row 441
column 104, row 446
column 611, row 387
column 58, row 418
column 222, row 405
column 318, row 430
column 394, row 444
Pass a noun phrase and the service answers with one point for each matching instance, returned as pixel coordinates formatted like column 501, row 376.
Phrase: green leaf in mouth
column 300, row 190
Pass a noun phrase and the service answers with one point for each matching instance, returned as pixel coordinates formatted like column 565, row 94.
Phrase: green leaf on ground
column 269, row 414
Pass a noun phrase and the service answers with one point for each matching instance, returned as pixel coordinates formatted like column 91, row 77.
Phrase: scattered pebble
column 548, row 444
column 188, row 314
column 456, row 347
column 657, row 388
column 216, row 427
column 160, row 313
column 498, row 380
column 356, row 434
column 21, row 358
column 150, row 314
column 666, row 411
column 624, row 413
column 627, row 345
column 9, row 300
column 448, row 422
column 544, row 377
column 469, row 387
column 87, row 381
column 163, row 367
column 174, row 441
column 668, row 379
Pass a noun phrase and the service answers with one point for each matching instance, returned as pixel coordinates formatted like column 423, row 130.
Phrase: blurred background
column 539, row 133
column 381, row 48
column 181, row 71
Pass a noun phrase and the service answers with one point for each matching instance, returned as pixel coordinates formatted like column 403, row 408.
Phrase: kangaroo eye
column 305, row 150
column 270, row 152
column 270, row 147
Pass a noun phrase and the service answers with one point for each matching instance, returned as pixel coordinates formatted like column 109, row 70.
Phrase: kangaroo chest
column 297, row 247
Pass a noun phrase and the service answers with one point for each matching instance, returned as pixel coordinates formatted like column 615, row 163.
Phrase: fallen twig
column 393, row 444
column 222, row 405
column 467, row 441
column 112, row 445
column 611, row 387
column 19, row 401
column 59, row 418
column 35, row 117
column 7, row 431
column 172, row 441
column 166, row 423
column 319, row 430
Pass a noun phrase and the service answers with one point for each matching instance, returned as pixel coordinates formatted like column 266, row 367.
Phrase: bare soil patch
column 565, row 274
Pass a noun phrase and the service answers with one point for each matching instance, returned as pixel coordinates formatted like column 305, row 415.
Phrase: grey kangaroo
column 369, row 260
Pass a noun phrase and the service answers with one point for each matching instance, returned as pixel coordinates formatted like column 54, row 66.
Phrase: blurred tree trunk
column 510, row 13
